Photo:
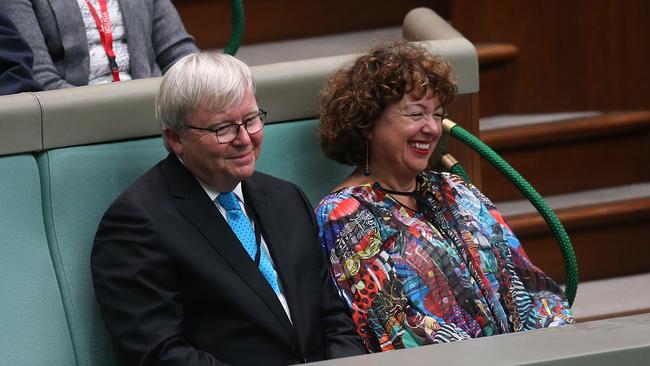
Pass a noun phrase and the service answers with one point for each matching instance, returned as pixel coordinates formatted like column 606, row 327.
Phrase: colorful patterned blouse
column 451, row 271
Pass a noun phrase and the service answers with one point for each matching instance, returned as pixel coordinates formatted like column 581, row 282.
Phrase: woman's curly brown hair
column 355, row 97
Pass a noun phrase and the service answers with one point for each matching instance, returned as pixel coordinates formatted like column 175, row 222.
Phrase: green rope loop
column 570, row 263
column 460, row 171
column 237, row 32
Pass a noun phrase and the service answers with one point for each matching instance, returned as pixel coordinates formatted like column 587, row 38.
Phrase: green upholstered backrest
column 291, row 151
column 79, row 183
column 33, row 328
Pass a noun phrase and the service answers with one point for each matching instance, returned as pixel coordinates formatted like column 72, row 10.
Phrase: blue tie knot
column 229, row 201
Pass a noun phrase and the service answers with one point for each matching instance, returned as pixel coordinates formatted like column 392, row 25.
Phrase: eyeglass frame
column 261, row 115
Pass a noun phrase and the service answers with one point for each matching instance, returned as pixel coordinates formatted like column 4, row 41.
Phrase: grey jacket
column 55, row 31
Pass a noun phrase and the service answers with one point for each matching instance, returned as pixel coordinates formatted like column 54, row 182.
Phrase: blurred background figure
column 15, row 60
column 99, row 41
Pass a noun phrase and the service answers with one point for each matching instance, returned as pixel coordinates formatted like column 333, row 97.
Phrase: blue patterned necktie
column 241, row 226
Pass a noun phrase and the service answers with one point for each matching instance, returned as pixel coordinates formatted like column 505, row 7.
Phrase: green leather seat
column 79, row 183
column 291, row 151
column 33, row 327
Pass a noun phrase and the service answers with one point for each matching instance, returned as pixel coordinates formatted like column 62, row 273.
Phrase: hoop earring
column 366, row 171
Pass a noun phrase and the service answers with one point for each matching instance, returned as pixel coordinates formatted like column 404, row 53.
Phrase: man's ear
column 173, row 141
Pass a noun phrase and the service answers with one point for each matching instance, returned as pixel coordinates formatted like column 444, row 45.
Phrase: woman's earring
column 366, row 171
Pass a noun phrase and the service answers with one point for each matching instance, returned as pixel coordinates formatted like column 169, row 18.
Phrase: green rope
column 460, row 171
column 237, row 32
column 570, row 263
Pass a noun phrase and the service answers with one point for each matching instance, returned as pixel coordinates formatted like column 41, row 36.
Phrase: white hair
column 216, row 81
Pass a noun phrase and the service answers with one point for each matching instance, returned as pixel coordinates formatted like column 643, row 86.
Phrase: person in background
column 87, row 42
column 420, row 256
column 203, row 261
column 15, row 60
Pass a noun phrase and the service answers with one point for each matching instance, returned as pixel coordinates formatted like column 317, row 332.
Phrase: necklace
column 401, row 204
column 390, row 193
column 397, row 193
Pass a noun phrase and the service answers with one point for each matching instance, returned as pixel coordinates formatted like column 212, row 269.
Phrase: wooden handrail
column 582, row 128
column 574, row 217
column 492, row 53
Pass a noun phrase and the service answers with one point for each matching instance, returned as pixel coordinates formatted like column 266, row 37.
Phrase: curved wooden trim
column 599, row 214
column 577, row 129
column 618, row 314
column 492, row 53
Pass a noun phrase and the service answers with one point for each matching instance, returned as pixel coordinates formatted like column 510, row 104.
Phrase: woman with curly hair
column 420, row 257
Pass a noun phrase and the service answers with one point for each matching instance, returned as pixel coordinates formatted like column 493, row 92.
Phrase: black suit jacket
column 16, row 60
column 176, row 287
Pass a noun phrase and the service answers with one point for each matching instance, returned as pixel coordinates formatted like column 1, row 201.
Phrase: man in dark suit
column 16, row 60
column 204, row 261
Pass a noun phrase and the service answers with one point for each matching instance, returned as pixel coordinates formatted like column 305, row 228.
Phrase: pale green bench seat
column 33, row 327
column 79, row 183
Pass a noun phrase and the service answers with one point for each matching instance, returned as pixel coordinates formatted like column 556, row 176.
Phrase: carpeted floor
column 612, row 297
column 299, row 49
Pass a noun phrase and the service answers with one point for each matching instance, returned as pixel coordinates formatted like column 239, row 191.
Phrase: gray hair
column 217, row 81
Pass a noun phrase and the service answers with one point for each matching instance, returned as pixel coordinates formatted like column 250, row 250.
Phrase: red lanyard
column 106, row 35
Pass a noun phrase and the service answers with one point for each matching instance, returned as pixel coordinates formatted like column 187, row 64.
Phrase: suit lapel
column 260, row 201
column 192, row 201
column 72, row 33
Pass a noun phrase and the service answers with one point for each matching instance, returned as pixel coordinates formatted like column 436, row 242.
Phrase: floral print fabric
column 453, row 270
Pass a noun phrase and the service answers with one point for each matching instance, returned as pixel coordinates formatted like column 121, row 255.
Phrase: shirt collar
column 212, row 193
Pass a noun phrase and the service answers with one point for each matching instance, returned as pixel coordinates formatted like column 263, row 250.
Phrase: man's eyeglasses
column 228, row 133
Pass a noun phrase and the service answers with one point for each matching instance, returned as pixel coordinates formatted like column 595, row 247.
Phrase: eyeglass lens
column 252, row 125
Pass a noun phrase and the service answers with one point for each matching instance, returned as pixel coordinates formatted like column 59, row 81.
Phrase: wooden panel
column 540, row 133
column 496, row 81
column 573, row 55
column 494, row 53
column 465, row 112
column 497, row 63
column 573, row 165
column 584, row 216
column 209, row 21
column 609, row 239
column 602, row 251
column 582, row 319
